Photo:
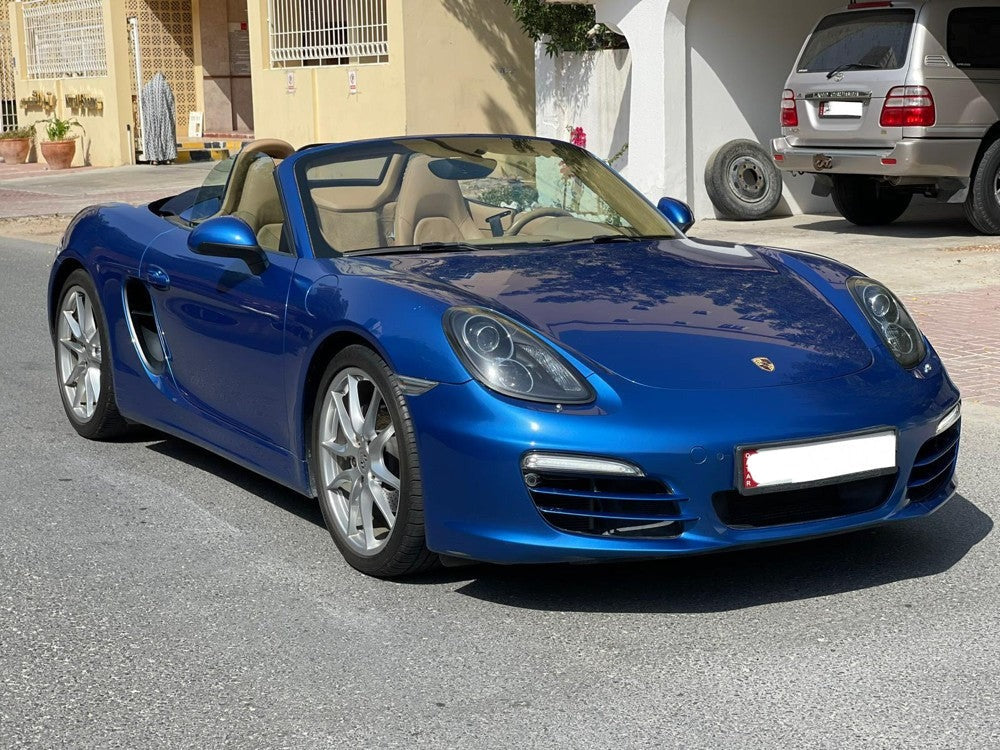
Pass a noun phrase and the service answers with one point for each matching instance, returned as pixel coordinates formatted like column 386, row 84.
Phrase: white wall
column 589, row 90
column 739, row 55
column 705, row 72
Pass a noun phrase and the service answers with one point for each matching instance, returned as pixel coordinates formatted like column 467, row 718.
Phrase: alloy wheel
column 359, row 461
column 79, row 353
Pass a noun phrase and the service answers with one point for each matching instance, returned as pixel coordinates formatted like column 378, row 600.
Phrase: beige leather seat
column 430, row 209
column 259, row 204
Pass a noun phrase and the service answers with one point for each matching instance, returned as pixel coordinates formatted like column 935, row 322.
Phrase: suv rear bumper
column 916, row 157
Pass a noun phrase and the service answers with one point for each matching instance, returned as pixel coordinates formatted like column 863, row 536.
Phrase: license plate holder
column 838, row 108
column 774, row 467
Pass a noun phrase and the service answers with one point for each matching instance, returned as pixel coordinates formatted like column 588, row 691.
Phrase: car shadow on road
column 923, row 221
column 707, row 583
column 224, row 469
column 745, row 578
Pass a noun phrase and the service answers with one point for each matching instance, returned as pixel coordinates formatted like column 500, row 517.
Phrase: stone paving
column 965, row 329
column 33, row 190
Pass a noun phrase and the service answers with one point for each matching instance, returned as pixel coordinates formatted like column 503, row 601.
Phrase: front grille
column 934, row 465
column 632, row 507
column 798, row 506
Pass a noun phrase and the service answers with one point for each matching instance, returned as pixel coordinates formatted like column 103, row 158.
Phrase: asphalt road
column 152, row 595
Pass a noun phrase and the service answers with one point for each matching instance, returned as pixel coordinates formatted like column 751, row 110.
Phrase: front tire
column 367, row 471
column 982, row 206
column 83, row 361
column 866, row 201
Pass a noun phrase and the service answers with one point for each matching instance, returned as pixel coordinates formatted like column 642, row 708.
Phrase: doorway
column 225, row 58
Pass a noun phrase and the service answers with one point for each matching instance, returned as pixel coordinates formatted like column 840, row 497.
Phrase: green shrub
column 26, row 132
column 56, row 129
column 568, row 28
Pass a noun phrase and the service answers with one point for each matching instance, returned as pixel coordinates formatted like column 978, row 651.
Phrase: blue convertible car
column 493, row 348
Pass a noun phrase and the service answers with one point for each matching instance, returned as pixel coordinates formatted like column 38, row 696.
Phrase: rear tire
column 982, row 207
column 365, row 463
column 83, row 361
column 866, row 201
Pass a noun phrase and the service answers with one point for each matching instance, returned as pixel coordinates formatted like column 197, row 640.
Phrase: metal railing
column 8, row 103
column 64, row 38
column 327, row 32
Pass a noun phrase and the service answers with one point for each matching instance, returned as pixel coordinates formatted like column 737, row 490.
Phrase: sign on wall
column 196, row 124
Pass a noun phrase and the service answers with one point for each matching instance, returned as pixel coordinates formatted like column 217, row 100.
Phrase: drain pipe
column 133, row 31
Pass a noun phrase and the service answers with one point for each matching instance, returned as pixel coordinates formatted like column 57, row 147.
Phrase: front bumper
column 477, row 505
column 916, row 157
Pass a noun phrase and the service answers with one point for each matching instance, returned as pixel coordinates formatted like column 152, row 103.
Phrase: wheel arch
column 331, row 345
column 67, row 265
column 989, row 138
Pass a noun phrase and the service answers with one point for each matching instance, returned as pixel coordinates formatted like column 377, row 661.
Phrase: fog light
column 560, row 462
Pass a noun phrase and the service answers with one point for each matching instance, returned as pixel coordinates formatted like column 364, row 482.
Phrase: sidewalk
column 33, row 190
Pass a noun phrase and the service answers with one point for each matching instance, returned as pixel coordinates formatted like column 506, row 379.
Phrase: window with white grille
column 64, row 38
column 327, row 32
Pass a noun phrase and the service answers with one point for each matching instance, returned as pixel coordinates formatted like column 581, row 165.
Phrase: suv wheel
column 866, row 201
column 742, row 181
column 982, row 207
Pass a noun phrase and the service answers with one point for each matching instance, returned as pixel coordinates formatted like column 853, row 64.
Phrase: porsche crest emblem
column 763, row 363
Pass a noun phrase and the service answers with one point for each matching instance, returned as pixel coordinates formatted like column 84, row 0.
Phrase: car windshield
column 466, row 193
column 196, row 205
column 872, row 39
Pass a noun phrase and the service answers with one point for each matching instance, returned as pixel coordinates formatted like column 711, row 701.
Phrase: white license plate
column 775, row 467
column 841, row 109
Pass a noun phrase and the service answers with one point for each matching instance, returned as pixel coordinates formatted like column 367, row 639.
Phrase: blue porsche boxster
column 493, row 348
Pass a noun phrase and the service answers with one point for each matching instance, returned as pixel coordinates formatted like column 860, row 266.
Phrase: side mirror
column 229, row 237
column 679, row 212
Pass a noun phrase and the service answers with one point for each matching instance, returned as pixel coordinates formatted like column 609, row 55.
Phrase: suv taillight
column 789, row 112
column 908, row 107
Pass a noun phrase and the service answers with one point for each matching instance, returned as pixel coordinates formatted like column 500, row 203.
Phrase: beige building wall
column 310, row 104
column 104, row 138
column 469, row 68
column 454, row 66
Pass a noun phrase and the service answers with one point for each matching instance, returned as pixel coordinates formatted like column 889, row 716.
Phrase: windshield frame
column 587, row 167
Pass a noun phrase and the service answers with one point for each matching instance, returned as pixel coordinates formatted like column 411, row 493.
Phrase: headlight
column 890, row 319
column 502, row 355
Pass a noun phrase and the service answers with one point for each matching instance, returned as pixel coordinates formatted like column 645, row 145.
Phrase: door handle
column 157, row 277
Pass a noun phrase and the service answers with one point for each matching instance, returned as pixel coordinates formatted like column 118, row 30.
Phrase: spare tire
column 742, row 181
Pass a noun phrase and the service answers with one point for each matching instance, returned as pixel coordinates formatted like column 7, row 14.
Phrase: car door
column 223, row 333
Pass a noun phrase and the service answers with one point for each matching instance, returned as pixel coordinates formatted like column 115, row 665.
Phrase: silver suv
column 892, row 99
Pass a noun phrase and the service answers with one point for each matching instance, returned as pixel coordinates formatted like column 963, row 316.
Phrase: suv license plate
column 841, row 109
column 791, row 465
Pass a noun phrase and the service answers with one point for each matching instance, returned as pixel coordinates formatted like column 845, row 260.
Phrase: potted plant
column 15, row 144
column 59, row 149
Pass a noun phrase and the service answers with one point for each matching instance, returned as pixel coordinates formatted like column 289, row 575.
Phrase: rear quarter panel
column 967, row 100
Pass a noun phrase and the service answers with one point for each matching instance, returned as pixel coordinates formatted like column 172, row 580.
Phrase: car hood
column 670, row 314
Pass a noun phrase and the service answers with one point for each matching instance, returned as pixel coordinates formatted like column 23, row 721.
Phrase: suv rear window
column 873, row 39
column 972, row 37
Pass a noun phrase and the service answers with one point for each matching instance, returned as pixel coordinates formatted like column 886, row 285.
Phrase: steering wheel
column 537, row 213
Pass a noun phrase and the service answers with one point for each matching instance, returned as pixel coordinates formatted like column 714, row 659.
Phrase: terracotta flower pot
column 15, row 150
column 59, row 154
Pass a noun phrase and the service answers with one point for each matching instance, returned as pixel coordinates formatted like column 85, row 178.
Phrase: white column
column 658, row 123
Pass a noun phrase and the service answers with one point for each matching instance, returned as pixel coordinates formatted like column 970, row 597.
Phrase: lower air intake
column 799, row 506
column 632, row 507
